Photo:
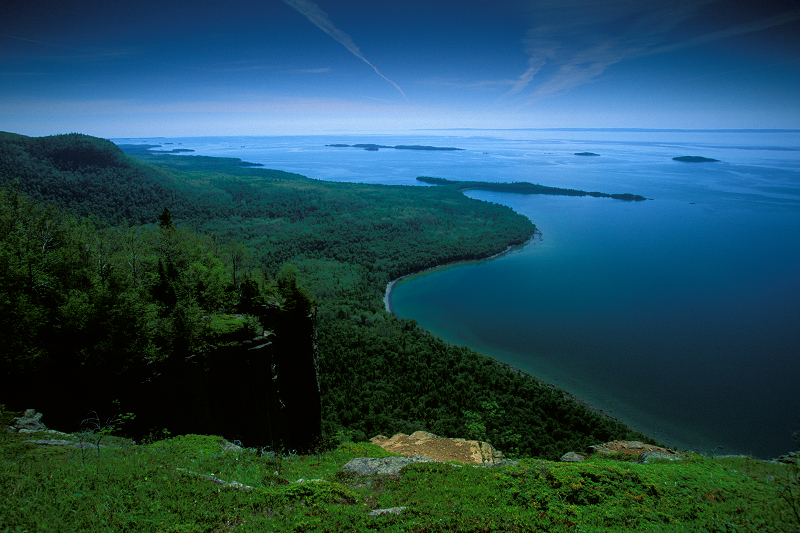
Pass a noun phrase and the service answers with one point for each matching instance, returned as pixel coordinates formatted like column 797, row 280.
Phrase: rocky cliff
column 261, row 391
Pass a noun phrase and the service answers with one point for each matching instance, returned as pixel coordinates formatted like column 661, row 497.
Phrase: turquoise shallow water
column 679, row 315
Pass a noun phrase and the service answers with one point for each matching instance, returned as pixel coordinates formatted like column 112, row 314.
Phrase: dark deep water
column 680, row 315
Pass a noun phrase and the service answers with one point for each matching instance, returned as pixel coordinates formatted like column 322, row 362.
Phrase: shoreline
column 387, row 305
column 567, row 394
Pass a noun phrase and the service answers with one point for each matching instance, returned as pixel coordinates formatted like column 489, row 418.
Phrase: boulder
column 572, row 457
column 626, row 447
column 790, row 458
column 367, row 466
column 390, row 510
column 647, row 457
column 29, row 422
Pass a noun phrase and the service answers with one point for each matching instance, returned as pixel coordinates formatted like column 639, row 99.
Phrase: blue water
column 679, row 315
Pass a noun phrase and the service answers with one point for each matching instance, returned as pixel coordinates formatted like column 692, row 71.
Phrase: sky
column 284, row 67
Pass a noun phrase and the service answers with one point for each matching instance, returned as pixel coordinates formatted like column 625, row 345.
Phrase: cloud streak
column 562, row 56
column 320, row 19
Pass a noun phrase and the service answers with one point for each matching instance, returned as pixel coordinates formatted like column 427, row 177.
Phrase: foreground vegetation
column 168, row 486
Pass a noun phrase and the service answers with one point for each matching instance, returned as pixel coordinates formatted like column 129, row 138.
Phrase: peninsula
column 523, row 187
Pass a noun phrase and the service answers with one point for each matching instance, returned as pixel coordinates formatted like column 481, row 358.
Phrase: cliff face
column 262, row 391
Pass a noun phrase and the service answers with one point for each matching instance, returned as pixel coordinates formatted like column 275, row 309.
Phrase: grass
column 158, row 487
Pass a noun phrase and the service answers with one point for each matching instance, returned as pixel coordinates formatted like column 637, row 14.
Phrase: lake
column 679, row 315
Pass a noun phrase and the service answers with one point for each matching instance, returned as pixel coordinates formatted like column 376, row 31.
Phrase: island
column 173, row 151
column 376, row 147
column 523, row 187
column 587, row 153
column 695, row 159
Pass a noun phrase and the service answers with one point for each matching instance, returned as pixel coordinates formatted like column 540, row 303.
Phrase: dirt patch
column 439, row 448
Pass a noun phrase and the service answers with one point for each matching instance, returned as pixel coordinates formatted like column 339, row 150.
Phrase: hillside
column 345, row 241
column 91, row 481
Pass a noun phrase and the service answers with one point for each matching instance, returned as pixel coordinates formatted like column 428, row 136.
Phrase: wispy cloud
column 323, row 70
column 735, row 31
column 458, row 84
column 575, row 42
column 85, row 54
column 320, row 19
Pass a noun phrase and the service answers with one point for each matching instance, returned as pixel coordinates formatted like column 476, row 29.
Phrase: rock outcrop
column 422, row 443
column 791, row 458
column 627, row 447
column 259, row 391
column 387, row 466
column 29, row 422
column 644, row 453
column 572, row 457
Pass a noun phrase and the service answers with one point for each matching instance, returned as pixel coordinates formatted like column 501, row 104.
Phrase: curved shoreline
column 567, row 394
column 390, row 286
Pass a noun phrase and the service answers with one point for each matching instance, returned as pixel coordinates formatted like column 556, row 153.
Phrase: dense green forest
column 90, row 253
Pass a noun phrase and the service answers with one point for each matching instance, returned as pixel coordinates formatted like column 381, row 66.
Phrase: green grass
column 156, row 487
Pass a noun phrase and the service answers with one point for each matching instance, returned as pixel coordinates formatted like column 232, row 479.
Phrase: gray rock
column 572, row 457
column 79, row 445
column 367, row 466
column 647, row 457
column 390, row 510
column 230, row 447
column 29, row 421
column 495, row 464
column 789, row 459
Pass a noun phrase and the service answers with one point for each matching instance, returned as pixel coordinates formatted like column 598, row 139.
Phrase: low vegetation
column 194, row 483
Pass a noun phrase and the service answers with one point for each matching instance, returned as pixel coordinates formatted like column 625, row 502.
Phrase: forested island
column 174, row 151
column 154, row 296
column 376, row 147
column 695, row 159
column 587, row 154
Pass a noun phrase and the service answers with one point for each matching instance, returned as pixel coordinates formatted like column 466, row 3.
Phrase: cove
column 678, row 318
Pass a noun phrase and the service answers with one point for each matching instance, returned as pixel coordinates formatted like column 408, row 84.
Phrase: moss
column 189, row 446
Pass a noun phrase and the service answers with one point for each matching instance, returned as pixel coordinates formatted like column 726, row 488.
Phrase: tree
column 165, row 220
column 296, row 298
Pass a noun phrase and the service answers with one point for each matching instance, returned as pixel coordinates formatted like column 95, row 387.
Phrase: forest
column 114, row 257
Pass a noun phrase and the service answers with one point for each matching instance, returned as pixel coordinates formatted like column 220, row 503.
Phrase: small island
column 173, row 151
column 587, row 153
column 376, row 147
column 695, row 159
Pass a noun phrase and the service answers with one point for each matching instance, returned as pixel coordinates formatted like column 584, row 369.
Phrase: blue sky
column 274, row 67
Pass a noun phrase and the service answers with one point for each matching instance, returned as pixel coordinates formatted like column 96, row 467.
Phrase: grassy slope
column 156, row 487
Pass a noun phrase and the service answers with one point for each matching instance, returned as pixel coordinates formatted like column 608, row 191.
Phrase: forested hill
column 378, row 374
column 88, row 176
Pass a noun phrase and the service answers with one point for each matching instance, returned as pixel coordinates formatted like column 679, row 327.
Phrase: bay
column 679, row 315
